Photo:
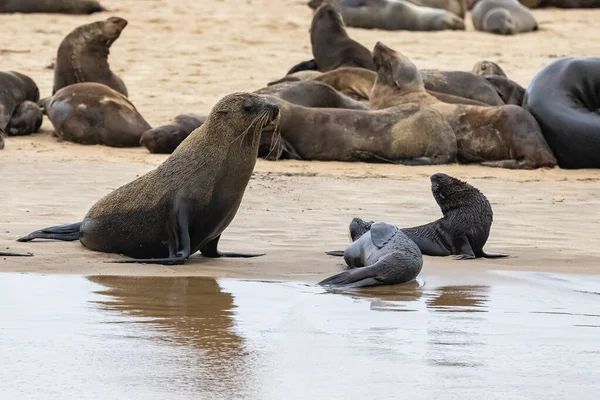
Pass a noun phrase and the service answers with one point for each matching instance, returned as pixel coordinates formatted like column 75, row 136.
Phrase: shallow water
column 513, row 336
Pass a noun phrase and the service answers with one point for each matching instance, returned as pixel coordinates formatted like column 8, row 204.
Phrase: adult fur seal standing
column 503, row 17
column 166, row 138
column 505, row 136
column 186, row 203
column 51, row 6
column 83, row 55
column 564, row 98
column 380, row 254
column 16, row 88
column 464, row 227
column 92, row 113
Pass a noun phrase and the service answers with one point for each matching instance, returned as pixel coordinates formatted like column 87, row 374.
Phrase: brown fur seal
column 92, row 113
column 51, row 6
column 509, row 91
column 312, row 93
column 380, row 254
column 503, row 17
column 185, row 204
column 458, row 7
column 395, row 15
column 504, row 136
column 83, row 55
column 486, row 68
column 16, row 89
column 166, row 138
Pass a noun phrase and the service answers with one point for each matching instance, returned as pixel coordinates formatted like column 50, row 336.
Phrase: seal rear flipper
column 210, row 250
column 465, row 251
column 6, row 254
column 491, row 255
column 67, row 233
column 310, row 65
column 355, row 278
column 335, row 253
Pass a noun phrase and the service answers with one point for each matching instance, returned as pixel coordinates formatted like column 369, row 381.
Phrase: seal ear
column 381, row 233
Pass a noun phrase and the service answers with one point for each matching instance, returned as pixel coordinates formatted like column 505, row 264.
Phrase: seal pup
column 53, row 6
column 184, row 205
column 505, row 136
column 395, row 15
column 464, row 227
column 93, row 113
column 16, row 89
column 380, row 254
column 26, row 119
column 509, row 91
column 564, row 97
column 503, row 17
column 83, row 55
column 166, row 138
column 486, row 68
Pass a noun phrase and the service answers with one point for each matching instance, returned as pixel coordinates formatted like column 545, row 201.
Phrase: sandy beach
column 181, row 57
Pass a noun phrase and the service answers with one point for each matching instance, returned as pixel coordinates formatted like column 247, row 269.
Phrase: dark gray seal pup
column 166, row 138
column 380, row 254
column 26, row 119
column 564, row 98
column 16, row 88
column 465, row 226
column 503, row 17
column 51, row 6
column 83, row 55
column 486, row 68
column 184, row 205
column 92, row 113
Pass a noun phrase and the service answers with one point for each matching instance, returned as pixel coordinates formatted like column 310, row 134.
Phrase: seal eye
column 249, row 108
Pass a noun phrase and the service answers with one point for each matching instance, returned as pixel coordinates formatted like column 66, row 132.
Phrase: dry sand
column 179, row 57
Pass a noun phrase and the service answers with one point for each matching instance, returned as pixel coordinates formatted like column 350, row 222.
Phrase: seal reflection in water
column 185, row 204
column 380, row 254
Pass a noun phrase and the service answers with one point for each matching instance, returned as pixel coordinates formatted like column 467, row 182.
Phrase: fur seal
column 26, row 119
column 486, row 68
column 395, row 15
column 83, row 55
column 504, row 136
column 16, row 89
column 92, row 113
column 380, row 254
column 564, row 97
column 457, row 7
column 331, row 46
column 166, row 138
column 561, row 3
column 184, row 205
column 464, row 227
column 509, row 91
column 503, row 17
column 312, row 93
column 52, row 6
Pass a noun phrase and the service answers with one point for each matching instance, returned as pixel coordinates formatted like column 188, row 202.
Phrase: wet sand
column 503, row 336
column 182, row 57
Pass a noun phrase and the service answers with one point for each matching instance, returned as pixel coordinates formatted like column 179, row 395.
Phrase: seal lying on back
column 92, row 113
column 166, row 138
column 503, row 17
column 16, row 89
column 464, row 227
column 186, row 203
column 380, row 254
column 51, row 6
column 564, row 98
column 83, row 55
column 395, row 15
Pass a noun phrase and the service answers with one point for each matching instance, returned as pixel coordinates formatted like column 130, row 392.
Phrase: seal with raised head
column 486, row 68
column 92, row 113
column 504, row 136
column 464, row 227
column 166, row 138
column 52, row 6
column 184, row 205
column 564, row 97
column 509, row 91
column 395, row 15
column 83, row 55
column 503, row 17
column 16, row 88
column 380, row 254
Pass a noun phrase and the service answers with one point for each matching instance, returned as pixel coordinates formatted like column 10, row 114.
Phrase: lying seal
column 395, row 15
column 92, row 113
column 331, row 46
column 26, row 119
column 166, row 138
column 486, row 68
column 380, row 254
column 83, row 55
column 464, row 228
column 457, row 7
column 53, row 6
column 561, row 3
column 509, row 91
column 16, row 89
column 503, row 17
column 504, row 136
column 186, row 203
column 570, row 115
column 461, row 84
column 312, row 93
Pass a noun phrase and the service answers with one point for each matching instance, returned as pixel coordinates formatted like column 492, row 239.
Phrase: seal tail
column 355, row 278
column 67, row 233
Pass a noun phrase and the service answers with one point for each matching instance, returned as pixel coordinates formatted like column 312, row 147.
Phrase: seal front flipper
column 335, row 253
column 67, row 233
column 210, row 250
column 5, row 254
column 465, row 251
